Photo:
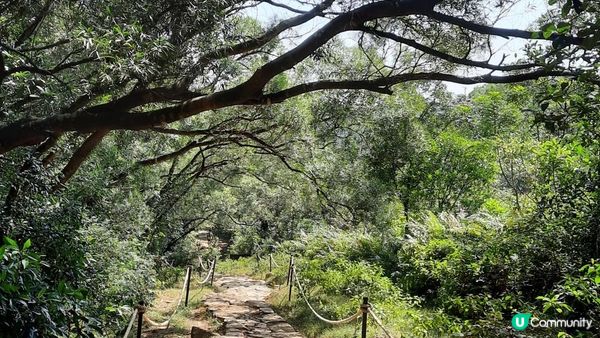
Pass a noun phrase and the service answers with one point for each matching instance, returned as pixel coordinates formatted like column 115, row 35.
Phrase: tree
column 94, row 68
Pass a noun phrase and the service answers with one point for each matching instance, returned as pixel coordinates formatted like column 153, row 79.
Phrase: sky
column 521, row 16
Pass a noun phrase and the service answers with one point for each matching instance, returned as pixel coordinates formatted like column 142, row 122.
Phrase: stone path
column 239, row 304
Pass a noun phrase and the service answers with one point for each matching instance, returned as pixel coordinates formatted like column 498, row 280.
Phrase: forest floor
column 235, row 307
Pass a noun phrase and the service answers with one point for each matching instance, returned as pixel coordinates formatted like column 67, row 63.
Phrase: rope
column 205, row 281
column 168, row 321
column 378, row 321
column 210, row 272
column 133, row 315
column 188, row 278
column 202, row 264
column 328, row 321
column 273, row 260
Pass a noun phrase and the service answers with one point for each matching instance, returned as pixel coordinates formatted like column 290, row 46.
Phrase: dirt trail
column 240, row 305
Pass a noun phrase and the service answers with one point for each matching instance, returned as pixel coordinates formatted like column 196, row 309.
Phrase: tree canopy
column 94, row 67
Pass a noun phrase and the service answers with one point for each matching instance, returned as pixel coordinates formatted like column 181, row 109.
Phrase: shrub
column 30, row 303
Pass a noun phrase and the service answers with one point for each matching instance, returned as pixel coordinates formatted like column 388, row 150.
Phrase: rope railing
column 273, row 261
column 328, row 321
column 168, row 321
column 365, row 310
column 133, row 315
column 210, row 272
column 139, row 312
column 378, row 322
column 201, row 263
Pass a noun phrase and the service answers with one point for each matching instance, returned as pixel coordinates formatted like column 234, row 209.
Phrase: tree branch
column 503, row 32
column 259, row 41
column 80, row 155
column 445, row 56
column 34, row 25
column 382, row 85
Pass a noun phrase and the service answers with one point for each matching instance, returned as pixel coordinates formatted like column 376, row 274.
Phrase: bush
column 30, row 303
column 578, row 294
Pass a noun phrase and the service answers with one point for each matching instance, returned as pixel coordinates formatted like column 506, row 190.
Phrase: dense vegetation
column 127, row 127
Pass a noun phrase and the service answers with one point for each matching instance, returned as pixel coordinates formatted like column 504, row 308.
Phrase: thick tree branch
column 48, row 46
column 445, row 56
column 80, row 155
column 221, row 138
column 382, row 85
column 503, row 32
column 171, row 155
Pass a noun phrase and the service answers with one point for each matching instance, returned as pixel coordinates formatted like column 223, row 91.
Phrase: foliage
column 30, row 303
column 579, row 293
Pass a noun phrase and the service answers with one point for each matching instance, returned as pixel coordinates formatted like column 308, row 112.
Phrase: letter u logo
column 520, row 321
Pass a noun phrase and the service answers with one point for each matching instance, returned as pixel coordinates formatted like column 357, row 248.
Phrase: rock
column 198, row 332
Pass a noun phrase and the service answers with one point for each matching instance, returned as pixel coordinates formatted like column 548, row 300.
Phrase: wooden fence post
column 270, row 263
column 364, row 307
column 291, row 282
column 141, row 309
column 188, row 280
column 212, row 276
column 287, row 281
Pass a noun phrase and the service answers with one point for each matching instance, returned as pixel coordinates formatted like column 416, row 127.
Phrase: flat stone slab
column 240, row 305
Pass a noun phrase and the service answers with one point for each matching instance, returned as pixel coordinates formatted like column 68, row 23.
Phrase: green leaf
column 10, row 242
column 27, row 244
column 548, row 29
column 563, row 27
column 597, row 279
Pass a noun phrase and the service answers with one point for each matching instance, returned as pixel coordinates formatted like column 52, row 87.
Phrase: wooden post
column 270, row 263
column 141, row 309
column 291, row 282
column 188, row 279
column 287, row 281
column 212, row 276
column 364, row 307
